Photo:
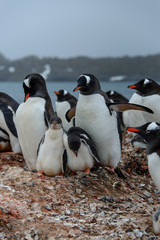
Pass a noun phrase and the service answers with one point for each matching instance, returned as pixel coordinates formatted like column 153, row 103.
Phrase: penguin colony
column 84, row 133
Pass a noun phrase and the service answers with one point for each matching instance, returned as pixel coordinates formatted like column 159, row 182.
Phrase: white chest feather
column 31, row 127
column 137, row 118
column 49, row 159
column 82, row 161
column 93, row 116
column 154, row 168
column 61, row 109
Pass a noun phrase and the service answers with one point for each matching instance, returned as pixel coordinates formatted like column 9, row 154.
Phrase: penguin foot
column 40, row 173
column 110, row 169
column 87, row 170
column 61, row 175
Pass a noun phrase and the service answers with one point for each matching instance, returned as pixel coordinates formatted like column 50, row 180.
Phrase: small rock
column 93, row 207
column 147, row 194
column 138, row 233
column 68, row 212
column 78, row 191
column 48, row 207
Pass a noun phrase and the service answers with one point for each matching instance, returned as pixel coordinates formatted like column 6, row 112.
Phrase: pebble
column 78, row 191
column 147, row 194
column 93, row 207
column 48, row 207
column 68, row 212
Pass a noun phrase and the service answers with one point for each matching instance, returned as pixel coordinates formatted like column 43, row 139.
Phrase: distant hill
column 105, row 69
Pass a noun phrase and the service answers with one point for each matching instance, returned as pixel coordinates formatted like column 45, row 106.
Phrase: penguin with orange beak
column 97, row 116
column 33, row 117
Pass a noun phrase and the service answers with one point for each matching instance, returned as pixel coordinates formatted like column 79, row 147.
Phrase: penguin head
column 149, row 131
column 87, row 84
column 74, row 141
column 62, row 95
column 74, row 145
column 145, row 86
column 34, row 85
column 55, row 123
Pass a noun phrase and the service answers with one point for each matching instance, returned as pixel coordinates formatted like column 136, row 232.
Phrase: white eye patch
column 112, row 93
column 146, row 81
column 152, row 126
column 88, row 79
column 65, row 92
column 27, row 82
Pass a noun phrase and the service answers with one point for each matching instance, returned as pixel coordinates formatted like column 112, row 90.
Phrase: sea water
column 15, row 89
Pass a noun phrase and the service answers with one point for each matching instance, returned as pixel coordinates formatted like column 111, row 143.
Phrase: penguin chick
column 81, row 152
column 96, row 115
column 156, row 221
column 33, row 117
column 51, row 149
column 150, row 132
column 65, row 101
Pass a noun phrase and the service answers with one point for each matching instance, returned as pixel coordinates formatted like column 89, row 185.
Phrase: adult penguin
column 33, row 117
column 65, row 101
column 8, row 107
column 94, row 114
column 147, row 94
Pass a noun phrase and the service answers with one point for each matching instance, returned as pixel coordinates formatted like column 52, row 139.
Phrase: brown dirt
column 96, row 206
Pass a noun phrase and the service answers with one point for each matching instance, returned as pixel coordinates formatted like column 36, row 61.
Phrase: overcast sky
column 70, row 28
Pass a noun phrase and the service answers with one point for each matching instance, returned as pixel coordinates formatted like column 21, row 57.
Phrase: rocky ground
column 96, row 206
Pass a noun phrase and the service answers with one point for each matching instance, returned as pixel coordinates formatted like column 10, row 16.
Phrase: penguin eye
column 148, row 131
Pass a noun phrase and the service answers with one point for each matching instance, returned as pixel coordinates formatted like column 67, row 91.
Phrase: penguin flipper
column 70, row 114
column 121, row 107
column 90, row 146
column 64, row 162
column 8, row 116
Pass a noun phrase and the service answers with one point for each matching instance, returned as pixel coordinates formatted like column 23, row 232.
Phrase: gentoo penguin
column 51, row 149
column 116, row 97
column 33, row 117
column 8, row 107
column 81, row 152
column 156, row 221
column 94, row 114
column 147, row 94
column 150, row 132
column 4, row 141
column 64, row 102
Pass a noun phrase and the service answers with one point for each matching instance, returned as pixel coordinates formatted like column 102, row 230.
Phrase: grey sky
column 70, row 28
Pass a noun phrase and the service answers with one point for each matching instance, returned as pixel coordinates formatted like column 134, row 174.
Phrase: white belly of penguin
column 154, row 168
column 30, row 128
column 61, row 109
column 93, row 116
column 82, row 161
column 50, row 154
